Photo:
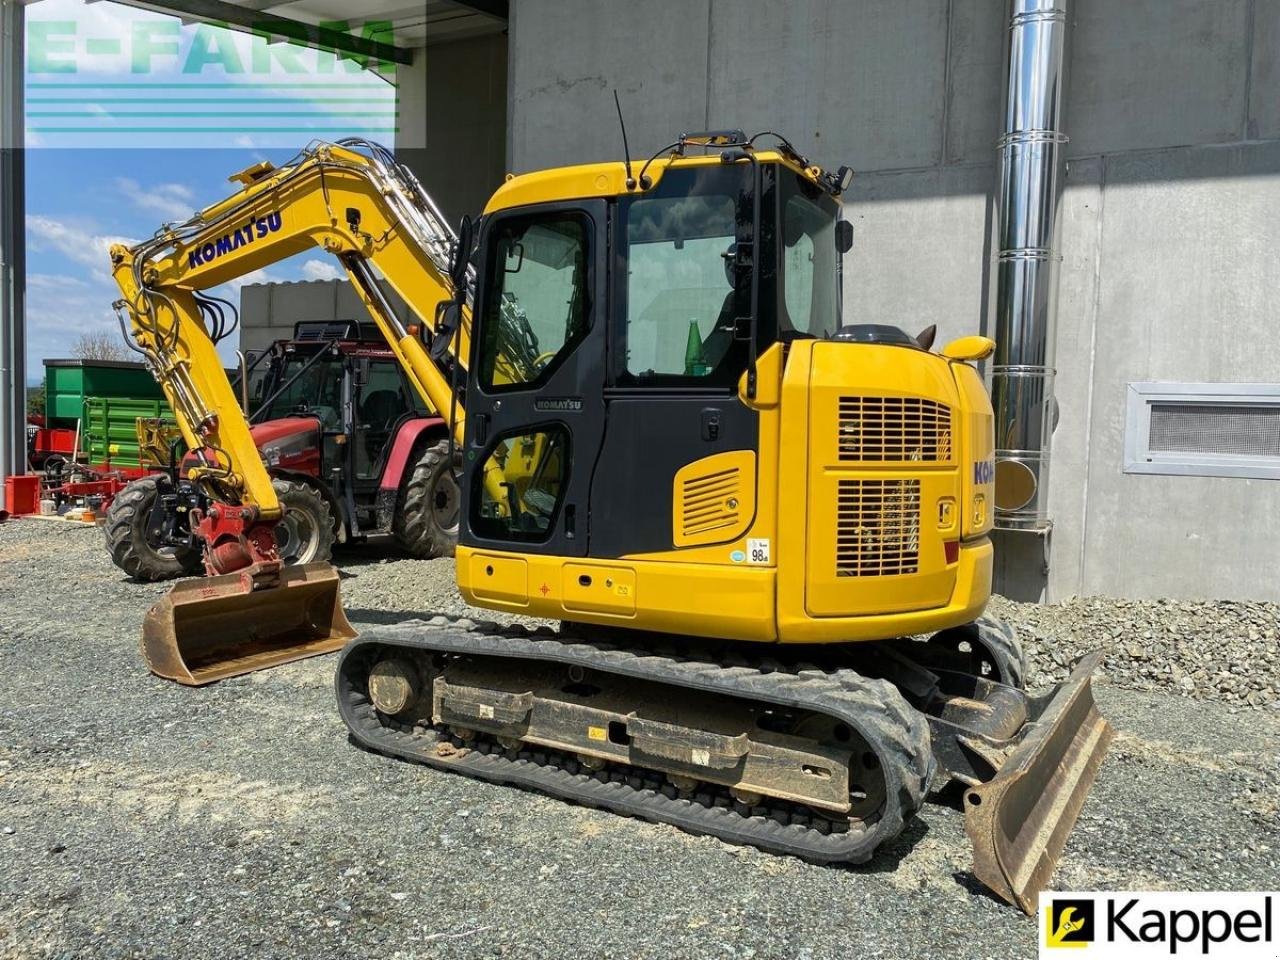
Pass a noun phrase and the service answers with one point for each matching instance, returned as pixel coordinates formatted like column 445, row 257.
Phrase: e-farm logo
column 1160, row 924
column 133, row 78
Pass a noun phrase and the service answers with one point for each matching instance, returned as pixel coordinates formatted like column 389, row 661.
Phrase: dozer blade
column 1020, row 819
column 207, row 630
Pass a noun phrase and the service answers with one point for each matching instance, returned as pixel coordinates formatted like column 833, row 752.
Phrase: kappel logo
column 1231, row 925
column 1069, row 923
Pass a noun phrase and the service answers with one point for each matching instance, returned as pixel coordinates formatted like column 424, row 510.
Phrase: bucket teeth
column 1020, row 819
column 206, row 630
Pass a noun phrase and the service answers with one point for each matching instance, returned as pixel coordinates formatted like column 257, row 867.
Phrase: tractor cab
column 327, row 405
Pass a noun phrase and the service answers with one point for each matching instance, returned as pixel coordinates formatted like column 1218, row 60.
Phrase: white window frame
column 1140, row 458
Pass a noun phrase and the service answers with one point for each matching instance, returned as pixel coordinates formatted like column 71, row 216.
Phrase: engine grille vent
column 893, row 430
column 877, row 528
column 710, row 502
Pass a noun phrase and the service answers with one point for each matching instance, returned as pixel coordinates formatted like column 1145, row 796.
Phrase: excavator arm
column 359, row 206
column 354, row 201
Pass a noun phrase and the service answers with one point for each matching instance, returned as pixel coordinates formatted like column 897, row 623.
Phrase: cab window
column 536, row 307
column 317, row 392
column 687, row 287
column 810, row 261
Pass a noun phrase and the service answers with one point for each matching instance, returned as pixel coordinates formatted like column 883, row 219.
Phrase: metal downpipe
column 1031, row 168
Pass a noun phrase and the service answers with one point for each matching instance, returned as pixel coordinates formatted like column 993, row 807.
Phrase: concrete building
column 1165, row 354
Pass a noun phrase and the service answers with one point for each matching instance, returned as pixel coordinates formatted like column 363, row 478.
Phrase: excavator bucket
column 218, row 627
column 1020, row 819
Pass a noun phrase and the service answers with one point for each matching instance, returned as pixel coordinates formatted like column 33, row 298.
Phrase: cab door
column 679, row 465
column 534, row 400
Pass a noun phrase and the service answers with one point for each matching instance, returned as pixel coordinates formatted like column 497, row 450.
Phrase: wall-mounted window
column 1203, row 429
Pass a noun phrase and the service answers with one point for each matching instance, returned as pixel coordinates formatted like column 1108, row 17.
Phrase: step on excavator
column 765, row 533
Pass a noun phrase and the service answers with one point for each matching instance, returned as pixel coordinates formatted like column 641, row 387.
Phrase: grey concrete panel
column 1080, row 221
column 1186, row 292
column 453, row 118
column 918, row 250
column 307, row 300
column 1156, row 73
column 975, row 76
column 858, row 83
column 569, row 55
column 1264, row 80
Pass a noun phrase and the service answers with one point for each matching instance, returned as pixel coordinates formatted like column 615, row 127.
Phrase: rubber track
column 874, row 708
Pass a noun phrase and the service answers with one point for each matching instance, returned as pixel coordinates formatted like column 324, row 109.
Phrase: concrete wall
column 1169, row 227
column 268, row 311
column 453, row 121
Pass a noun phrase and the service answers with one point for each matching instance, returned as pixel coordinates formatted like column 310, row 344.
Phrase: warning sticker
column 758, row 550
column 597, row 733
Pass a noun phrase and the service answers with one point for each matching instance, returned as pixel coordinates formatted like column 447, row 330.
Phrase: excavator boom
column 354, row 201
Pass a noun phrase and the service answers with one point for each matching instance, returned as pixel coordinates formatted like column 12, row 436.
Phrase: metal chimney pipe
column 1031, row 169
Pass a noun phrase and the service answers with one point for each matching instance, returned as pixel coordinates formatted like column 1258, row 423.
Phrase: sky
column 134, row 119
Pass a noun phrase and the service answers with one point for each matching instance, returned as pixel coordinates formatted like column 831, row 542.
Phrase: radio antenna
column 626, row 151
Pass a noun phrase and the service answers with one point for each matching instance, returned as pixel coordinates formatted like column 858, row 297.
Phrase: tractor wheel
column 426, row 523
column 306, row 533
column 129, row 543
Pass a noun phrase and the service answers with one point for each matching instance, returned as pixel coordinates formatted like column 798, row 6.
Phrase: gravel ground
column 142, row 819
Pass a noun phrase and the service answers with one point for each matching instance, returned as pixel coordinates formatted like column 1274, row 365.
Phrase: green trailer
column 69, row 383
column 104, row 398
column 109, row 431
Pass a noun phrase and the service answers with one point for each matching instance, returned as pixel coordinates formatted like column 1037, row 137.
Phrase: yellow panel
column 874, row 544
column 977, row 448
column 590, row 588
column 706, row 600
column 968, row 599
column 495, row 577
column 713, row 500
column 881, row 459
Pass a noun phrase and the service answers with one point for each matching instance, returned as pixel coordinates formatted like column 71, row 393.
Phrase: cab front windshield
column 317, row 392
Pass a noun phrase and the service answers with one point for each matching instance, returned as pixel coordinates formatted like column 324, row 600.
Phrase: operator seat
column 378, row 412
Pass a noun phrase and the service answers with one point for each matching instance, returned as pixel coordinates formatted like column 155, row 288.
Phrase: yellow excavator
column 765, row 533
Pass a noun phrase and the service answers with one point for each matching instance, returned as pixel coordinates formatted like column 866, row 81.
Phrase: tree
column 35, row 400
column 99, row 345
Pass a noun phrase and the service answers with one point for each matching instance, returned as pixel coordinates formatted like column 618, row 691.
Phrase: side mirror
column 450, row 317
column 844, row 236
column 462, row 254
column 969, row 348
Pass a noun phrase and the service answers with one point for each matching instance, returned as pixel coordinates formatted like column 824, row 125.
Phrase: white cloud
column 322, row 270
column 59, row 309
column 172, row 201
column 53, row 281
column 253, row 276
column 77, row 244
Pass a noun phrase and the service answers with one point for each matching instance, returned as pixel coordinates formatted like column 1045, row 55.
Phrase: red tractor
column 352, row 448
